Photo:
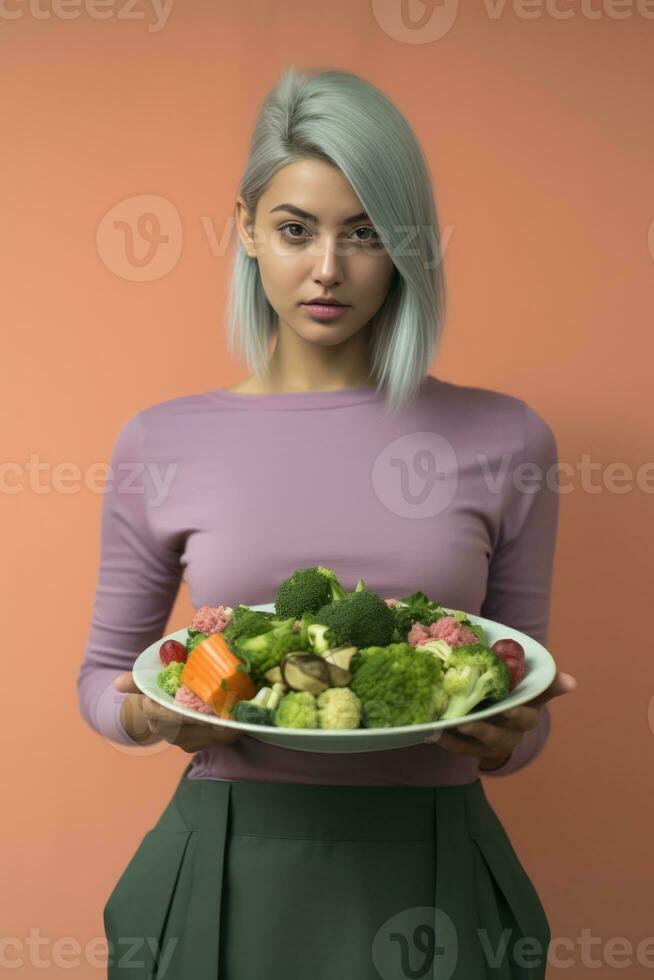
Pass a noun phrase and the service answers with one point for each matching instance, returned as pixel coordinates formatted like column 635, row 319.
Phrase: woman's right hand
column 142, row 718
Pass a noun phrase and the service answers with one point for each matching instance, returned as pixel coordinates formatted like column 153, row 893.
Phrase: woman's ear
column 245, row 227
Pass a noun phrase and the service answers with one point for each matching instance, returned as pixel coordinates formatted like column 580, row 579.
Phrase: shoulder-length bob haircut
column 342, row 119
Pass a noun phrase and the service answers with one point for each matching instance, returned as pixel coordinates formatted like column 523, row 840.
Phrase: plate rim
column 511, row 701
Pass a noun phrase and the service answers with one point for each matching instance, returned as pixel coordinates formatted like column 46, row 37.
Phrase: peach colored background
column 538, row 132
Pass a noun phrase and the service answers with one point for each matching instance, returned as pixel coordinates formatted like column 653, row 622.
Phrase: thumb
column 562, row 684
column 125, row 683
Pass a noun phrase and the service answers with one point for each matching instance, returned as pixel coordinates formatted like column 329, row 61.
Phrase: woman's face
column 325, row 247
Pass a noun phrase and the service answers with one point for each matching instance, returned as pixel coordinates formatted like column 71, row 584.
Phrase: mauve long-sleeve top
column 233, row 492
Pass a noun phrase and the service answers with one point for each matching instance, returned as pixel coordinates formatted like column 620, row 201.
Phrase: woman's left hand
column 493, row 741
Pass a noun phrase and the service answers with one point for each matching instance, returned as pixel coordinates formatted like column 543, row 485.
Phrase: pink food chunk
column 446, row 628
column 418, row 634
column 212, row 619
column 184, row 695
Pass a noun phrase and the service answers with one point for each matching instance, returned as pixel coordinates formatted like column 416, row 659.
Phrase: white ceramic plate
column 540, row 673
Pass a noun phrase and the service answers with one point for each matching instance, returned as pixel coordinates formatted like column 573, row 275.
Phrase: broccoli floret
column 303, row 626
column 297, row 709
column 248, row 622
column 395, row 684
column 336, row 589
column 259, row 710
column 440, row 648
column 360, row 619
column 320, row 638
column 440, row 700
column 265, row 650
column 473, row 673
column 338, row 707
column 307, row 590
column 170, row 678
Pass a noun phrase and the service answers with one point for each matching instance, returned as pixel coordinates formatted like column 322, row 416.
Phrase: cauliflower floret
column 338, row 707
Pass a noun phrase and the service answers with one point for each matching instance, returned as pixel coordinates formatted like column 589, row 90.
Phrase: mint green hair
column 342, row 119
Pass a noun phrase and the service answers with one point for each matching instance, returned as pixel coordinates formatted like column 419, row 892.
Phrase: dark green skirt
column 268, row 881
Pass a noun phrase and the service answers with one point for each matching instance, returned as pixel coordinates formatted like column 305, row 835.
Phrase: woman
column 270, row 862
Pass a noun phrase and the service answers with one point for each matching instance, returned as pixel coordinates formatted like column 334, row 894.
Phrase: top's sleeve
column 137, row 584
column 520, row 573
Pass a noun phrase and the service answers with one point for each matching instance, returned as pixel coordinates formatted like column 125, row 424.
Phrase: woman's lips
column 324, row 312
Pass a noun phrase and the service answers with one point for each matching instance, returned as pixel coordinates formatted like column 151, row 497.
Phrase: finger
column 461, row 745
column 496, row 738
column 171, row 731
column 522, row 718
column 126, row 684
column 151, row 709
column 496, row 742
column 562, row 684
column 219, row 733
column 194, row 737
column 473, row 747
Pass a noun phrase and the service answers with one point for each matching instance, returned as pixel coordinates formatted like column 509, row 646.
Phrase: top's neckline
column 301, row 399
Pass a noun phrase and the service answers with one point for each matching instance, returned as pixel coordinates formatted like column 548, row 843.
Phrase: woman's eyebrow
column 299, row 213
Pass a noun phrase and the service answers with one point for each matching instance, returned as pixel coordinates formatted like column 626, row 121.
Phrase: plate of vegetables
column 324, row 669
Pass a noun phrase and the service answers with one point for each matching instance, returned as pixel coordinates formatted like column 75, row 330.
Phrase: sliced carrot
column 211, row 671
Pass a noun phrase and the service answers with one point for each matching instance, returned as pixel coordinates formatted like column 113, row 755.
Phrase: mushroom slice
column 340, row 656
column 305, row 672
column 338, row 676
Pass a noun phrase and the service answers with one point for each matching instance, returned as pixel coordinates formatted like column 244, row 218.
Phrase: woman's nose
column 328, row 261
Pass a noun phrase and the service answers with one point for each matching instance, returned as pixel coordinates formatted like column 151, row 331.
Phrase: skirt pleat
column 268, row 881
column 496, row 925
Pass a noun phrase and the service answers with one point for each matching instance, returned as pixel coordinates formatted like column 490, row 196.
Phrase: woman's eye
column 285, row 228
column 365, row 241
column 285, row 231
